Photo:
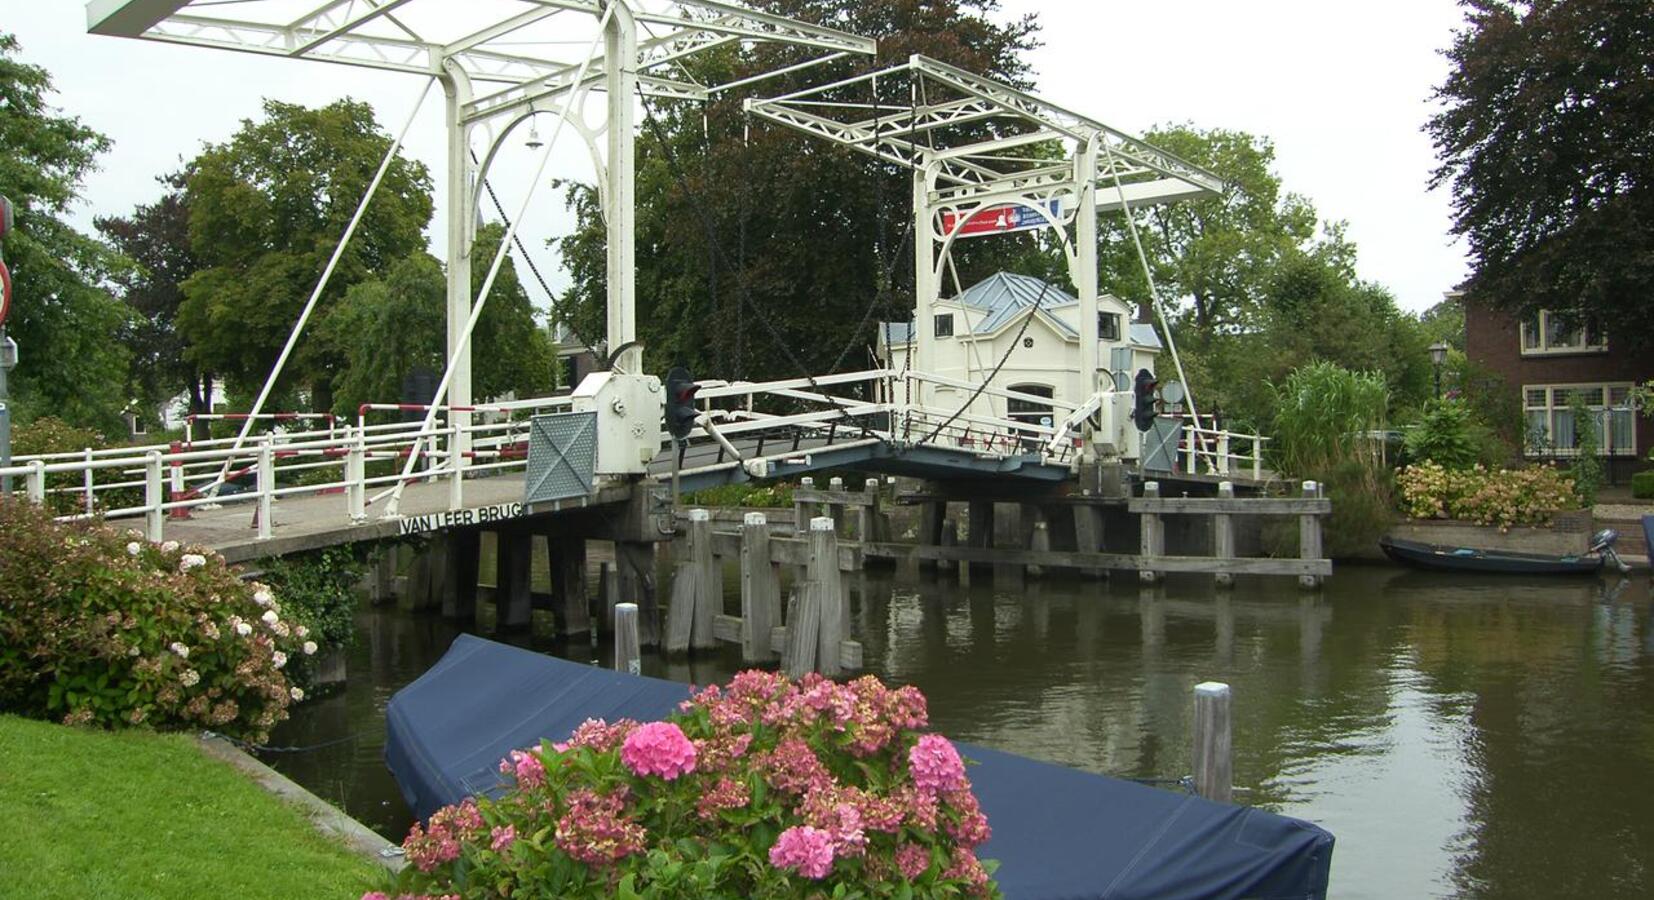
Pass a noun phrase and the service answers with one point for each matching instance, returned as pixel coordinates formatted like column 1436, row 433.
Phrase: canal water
column 1460, row 737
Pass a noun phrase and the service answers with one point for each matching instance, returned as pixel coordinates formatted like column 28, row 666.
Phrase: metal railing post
column 456, row 468
column 35, row 482
column 1223, row 452
column 88, row 483
column 356, row 491
column 1191, row 434
column 154, row 497
column 266, row 486
column 1257, row 458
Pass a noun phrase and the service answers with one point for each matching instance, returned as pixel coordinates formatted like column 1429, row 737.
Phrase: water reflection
column 1459, row 736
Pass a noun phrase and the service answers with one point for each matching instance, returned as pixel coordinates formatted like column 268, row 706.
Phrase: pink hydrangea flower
column 936, row 766
column 596, row 832
column 524, row 766
column 502, row 837
column 912, row 860
column 805, row 850
column 964, row 866
column 728, row 793
column 658, row 748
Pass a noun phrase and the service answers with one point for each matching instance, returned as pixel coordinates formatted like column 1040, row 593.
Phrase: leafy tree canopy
column 397, row 324
column 1216, row 254
column 266, row 210
column 63, row 322
column 812, row 233
column 1547, row 143
column 156, row 238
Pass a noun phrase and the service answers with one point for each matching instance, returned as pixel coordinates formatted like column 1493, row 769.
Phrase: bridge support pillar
column 513, row 594
column 568, row 583
column 425, row 577
column 459, row 581
column 933, row 515
column 1088, row 534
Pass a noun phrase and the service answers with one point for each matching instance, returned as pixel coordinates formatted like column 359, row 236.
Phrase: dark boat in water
column 1445, row 557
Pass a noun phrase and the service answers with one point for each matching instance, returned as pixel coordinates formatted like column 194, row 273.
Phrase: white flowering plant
column 102, row 628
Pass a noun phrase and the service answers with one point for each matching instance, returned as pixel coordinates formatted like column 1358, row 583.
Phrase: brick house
column 1549, row 358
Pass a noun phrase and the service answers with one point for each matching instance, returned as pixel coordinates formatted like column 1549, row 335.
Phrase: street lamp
column 1438, row 356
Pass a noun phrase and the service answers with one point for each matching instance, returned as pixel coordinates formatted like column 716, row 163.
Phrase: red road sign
column 1004, row 219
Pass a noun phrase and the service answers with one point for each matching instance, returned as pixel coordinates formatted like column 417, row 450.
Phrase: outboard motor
column 1602, row 544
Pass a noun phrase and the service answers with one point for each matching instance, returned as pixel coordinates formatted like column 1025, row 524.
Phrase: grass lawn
column 117, row 815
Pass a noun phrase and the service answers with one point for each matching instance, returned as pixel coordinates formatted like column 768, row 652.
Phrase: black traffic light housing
column 1143, row 411
column 680, row 403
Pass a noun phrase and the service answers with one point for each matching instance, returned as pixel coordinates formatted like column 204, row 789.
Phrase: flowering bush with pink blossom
column 103, row 628
column 760, row 788
column 1500, row 497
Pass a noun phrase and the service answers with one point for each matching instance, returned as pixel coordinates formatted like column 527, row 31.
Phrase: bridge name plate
column 459, row 518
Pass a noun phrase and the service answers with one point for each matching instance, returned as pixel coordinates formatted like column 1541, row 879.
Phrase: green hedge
column 1642, row 485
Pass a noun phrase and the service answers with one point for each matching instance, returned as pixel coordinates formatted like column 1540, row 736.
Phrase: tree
column 391, row 326
column 1215, row 254
column 62, row 320
column 156, row 239
column 266, row 211
column 1547, row 143
column 768, row 254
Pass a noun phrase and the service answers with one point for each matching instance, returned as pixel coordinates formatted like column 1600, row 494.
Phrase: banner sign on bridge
column 1005, row 219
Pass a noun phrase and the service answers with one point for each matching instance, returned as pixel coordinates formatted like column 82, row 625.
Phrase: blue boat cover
column 1059, row 834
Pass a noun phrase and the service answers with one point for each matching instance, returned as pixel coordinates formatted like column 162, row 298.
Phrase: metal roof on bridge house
column 1002, row 296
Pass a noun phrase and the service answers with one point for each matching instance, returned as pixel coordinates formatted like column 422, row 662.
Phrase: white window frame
column 1556, row 399
column 1541, row 343
column 936, row 325
column 1118, row 322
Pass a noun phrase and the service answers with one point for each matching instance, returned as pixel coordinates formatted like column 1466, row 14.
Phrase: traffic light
column 680, row 403
column 1143, row 411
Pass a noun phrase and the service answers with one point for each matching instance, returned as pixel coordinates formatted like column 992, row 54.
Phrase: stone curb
column 328, row 819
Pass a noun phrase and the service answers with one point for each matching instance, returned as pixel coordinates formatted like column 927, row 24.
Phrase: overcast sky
column 1341, row 87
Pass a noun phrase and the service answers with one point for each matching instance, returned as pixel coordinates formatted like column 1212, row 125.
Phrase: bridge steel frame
column 492, row 87
column 973, row 143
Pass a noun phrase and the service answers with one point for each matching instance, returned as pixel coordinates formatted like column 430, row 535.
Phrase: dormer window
column 944, row 325
column 1546, row 332
column 1108, row 326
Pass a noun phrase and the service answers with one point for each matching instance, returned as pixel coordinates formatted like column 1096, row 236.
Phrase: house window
column 1546, row 332
column 944, row 325
column 1108, row 326
column 1552, row 429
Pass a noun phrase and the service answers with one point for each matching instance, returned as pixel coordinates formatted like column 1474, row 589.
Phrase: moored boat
column 1500, row 562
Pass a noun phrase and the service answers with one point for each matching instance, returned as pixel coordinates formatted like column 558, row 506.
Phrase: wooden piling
column 608, row 597
column 803, row 631
column 628, row 656
column 950, row 538
column 459, row 589
column 867, row 517
column 836, row 510
column 680, row 610
column 1309, row 537
column 572, row 606
column 980, row 523
column 1153, row 536
column 513, row 592
column 709, row 581
column 635, row 568
column 1039, row 541
column 760, row 590
column 1223, row 534
column 834, row 612
column 1214, row 763
column 802, row 512
column 1088, row 534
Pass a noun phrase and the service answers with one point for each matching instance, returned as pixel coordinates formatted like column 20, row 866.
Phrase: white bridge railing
column 745, row 424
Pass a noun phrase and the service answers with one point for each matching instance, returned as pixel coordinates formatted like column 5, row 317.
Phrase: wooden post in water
column 635, row 572
column 824, row 574
column 1214, row 747
column 513, row 591
column 933, row 515
column 1039, row 540
column 608, row 597
column 950, row 538
column 760, row 590
column 459, row 592
column 1223, row 534
column 1309, row 537
column 803, row 631
column 628, row 658
column 1088, row 533
column 1154, row 538
column 801, row 510
column 867, row 517
column 567, row 557
column 837, row 510
column 709, row 582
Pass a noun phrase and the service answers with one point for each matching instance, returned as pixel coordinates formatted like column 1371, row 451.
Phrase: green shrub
column 318, row 589
column 104, row 629
column 1446, row 435
column 1502, row 497
column 65, row 491
column 1642, row 485
column 1324, row 415
column 776, row 495
column 1587, row 467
